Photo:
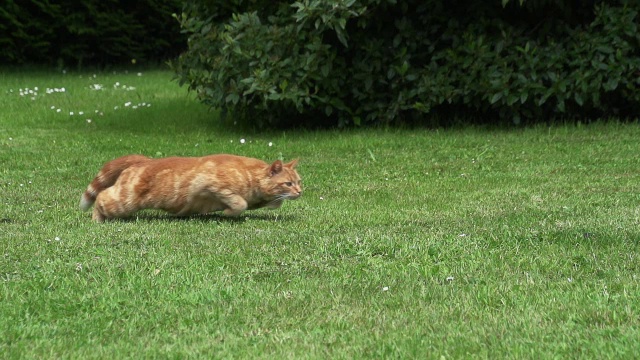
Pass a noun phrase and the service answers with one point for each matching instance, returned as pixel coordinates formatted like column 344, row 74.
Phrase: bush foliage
column 97, row 32
column 341, row 62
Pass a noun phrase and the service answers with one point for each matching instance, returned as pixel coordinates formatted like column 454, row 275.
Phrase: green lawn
column 467, row 243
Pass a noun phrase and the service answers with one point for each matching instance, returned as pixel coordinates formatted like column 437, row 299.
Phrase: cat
column 190, row 185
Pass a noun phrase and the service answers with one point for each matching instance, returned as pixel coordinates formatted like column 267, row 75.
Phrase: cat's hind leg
column 97, row 216
column 108, row 176
column 111, row 204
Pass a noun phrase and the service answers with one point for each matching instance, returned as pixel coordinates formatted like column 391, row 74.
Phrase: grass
column 459, row 243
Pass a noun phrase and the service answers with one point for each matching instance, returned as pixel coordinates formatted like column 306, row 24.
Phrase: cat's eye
column 288, row 183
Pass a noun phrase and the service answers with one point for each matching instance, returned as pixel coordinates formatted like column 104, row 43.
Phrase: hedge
column 346, row 62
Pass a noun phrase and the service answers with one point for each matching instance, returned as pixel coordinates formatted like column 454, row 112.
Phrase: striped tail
column 108, row 176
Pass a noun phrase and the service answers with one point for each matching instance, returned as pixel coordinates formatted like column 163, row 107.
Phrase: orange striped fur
column 190, row 185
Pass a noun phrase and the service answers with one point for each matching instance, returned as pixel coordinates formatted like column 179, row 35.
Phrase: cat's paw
column 232, row 212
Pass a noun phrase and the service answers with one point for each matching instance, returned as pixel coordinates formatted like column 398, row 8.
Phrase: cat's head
column 284, row 181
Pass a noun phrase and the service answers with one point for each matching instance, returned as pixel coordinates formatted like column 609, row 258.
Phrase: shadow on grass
column 205, row 218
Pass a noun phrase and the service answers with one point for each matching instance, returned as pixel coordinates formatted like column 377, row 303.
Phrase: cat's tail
column 108, row 176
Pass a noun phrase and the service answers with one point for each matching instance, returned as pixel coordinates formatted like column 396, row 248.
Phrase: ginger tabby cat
column 189, row 185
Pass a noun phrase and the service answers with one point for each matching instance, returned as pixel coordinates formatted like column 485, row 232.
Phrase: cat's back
column 205, row 164
column 234, row 160
column 217, row 159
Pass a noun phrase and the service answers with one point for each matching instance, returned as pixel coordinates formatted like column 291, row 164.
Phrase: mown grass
column 459, row 243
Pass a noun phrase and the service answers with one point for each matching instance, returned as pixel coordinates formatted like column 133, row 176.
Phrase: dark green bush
column 96, row 32
column 341, row 62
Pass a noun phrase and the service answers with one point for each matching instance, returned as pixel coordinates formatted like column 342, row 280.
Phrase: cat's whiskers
column 279, row 198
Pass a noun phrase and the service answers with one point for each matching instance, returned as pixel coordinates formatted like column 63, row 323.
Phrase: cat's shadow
column 213, row 217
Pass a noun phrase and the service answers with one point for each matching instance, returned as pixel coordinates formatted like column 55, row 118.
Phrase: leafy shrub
column 73, row 32
column 341, row 62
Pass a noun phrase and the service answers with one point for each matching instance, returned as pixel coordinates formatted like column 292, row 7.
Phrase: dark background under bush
column 74, row 33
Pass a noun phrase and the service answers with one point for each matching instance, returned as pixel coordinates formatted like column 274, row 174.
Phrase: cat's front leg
column 275, row 204
column 235, row 205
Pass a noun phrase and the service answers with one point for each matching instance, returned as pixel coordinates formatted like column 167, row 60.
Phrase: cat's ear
column 275, row 168
column 292, row 164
